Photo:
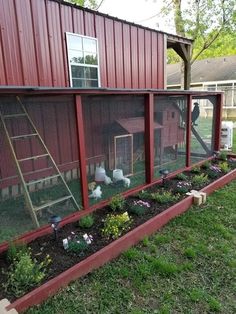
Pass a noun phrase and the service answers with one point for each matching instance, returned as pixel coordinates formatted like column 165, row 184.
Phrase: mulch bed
column 62, row 259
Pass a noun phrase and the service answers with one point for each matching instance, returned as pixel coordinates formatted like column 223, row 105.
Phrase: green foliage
column 163, row 197
column 181, row 176
column 206, row 165
column 133, row 276
column 117, row 202
column 196, row 169
column 15, row 249
column 114, row 225
column 200, row 180
column 24, row 272
column 144, row 194
column 210, row 24
column 86, row 222
column 222, row 156
column 190, row 253
column 78, row 246
column 139, row 207
column 224, row 167
column 183, row 187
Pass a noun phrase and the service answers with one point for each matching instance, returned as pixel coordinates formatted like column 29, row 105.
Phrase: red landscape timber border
column 112, row 250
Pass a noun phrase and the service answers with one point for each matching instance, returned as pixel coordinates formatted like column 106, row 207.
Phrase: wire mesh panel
column 202, row 127
column 114, row 139
column 44, row 141
column 169, row 133
column 124, row 153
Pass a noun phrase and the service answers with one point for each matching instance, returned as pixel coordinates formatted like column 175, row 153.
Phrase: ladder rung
column 23, row 136
column 44, row 179
column 52, row 203
column 33, row 157
column 16, row 115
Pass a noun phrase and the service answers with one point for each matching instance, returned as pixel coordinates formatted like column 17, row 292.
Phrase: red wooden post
column 188, row 130
column 82, row 154
column 149, row 137
column 217, row 122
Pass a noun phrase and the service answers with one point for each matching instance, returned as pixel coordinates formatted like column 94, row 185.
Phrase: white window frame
column 87, row 65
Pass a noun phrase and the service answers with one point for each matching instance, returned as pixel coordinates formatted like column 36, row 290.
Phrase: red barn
column 81, row 90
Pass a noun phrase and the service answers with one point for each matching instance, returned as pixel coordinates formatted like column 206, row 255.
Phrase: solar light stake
column 164, row 173
column 55, row 220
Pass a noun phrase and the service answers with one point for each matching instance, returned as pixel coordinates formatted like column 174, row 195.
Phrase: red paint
column 101, row 257
column 217, row 122
column 82, row 154
column 149, row 138
column 33, row 46
column 188, row 131
column 111, row 251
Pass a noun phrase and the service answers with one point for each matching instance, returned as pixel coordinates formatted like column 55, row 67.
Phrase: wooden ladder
column 10, row 139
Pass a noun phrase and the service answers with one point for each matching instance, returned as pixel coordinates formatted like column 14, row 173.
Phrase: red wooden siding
column 55, row 120
column 33, row 46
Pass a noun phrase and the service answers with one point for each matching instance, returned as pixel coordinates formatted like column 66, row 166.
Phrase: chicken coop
column 79, row 110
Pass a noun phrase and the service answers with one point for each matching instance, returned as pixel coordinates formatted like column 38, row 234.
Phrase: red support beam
column 149, row 138
column 188, row 130
column 217, row 122
column 82, row 154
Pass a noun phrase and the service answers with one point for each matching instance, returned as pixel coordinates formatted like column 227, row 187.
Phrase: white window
column 83, row 61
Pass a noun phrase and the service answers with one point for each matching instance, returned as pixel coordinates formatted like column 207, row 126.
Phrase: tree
column 92, row 4
column 202, row 20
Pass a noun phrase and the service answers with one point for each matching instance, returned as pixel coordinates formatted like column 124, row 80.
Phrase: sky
column 144, row 12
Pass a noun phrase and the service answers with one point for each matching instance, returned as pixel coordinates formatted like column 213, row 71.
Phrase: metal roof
column 207, row 70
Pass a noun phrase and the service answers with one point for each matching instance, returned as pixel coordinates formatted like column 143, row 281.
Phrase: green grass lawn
column 187, row 267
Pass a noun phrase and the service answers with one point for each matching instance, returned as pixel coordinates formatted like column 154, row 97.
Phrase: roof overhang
column 135, row 125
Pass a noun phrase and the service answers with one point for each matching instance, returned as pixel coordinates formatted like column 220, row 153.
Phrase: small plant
column 78, row 246
column 24, row 272
column 144, row 194
column 222, row 156
column 196, row 169
column 163, row 197
column 15, row 249
column 117, row 202
column 181, row 177
column 206, row 165
column 114, row 225
column 139, row 207
column 214, row 171
column 199, row 180
column 86, row 222
column 224, row 167
column 183, row 187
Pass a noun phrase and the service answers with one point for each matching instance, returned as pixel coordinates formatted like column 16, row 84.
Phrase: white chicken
column 107, row 180
column 126, row 182
column 97, row 193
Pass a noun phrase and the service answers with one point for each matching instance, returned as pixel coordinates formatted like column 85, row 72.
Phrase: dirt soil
column 62, row 259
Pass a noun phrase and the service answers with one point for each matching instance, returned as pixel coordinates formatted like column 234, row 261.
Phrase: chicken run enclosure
column 67, row 150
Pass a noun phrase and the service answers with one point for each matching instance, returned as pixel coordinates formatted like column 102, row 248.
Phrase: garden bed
column 66, row 266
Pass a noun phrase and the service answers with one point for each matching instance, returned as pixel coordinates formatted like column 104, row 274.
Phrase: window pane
column 78, row 83
column 90, row 45
column 76, row 56
column 77, row 71
column 91, row 83
column 90, row 58
column 74, row 42
column 91, row 73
